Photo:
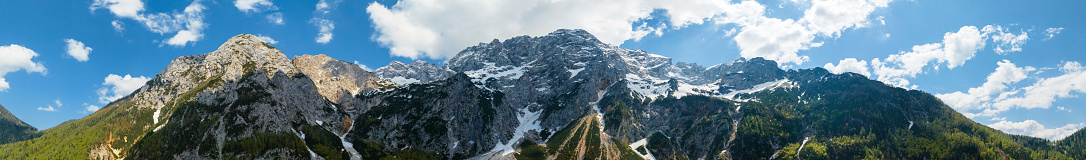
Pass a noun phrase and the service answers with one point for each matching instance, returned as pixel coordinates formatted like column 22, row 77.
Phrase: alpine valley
column 565, row 95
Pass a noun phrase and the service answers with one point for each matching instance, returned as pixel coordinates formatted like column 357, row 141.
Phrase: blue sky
column 1031, row 50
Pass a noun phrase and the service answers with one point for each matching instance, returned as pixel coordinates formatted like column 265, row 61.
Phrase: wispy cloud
column 187, row 25
column 1052, row 32
column 324, row 25
column 50, row 108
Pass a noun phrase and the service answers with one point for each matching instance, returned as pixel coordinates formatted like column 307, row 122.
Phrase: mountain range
column 565, row 95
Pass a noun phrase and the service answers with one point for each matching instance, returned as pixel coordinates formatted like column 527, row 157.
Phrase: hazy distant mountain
column 565, row 95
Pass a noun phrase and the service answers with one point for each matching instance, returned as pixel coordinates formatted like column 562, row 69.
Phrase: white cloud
column 830, row 17
column 267, row 39
column 849, row 65
column 1052, row 32
column 962, row 45
column 994, row 97
column 77, row 50
column 363, row 66
column 980, row 97
column 248, row 6
column 275, row 18
column 188, row 25
column 1034, row 129
column 1060, row 108
column 325, row 32
column 116, row 87
column 117, row 25
column 776, row 39
column 439, row 29
column 121, row 8
column 1071, row 66
column 954, row 50
column 257, row 6
column 1042, row 93
column 89, row 108
column 324, row 25
column 14, row 58
column 50, row 107
column 1007, row 41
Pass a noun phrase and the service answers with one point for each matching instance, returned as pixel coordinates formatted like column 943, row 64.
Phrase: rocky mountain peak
column 416, row 72
column 338, row 80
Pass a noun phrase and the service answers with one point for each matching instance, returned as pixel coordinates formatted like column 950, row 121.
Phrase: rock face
column 245, row 91
column 416, row 72
column 339, row 81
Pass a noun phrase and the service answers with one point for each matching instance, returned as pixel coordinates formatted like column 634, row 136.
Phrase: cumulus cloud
column 849, row 65
column 439, row 29
column 187, row 26
column 115, row 87
column 953, row 51
column 994, row 97
column 14, row 58
column 267, row 39
column 324, row 25
column 980, row 97
column 1034, row 129
column 1042, row 93
column 50, row 107
column 1052, row 32
column 1005, row 40
column 77, row 50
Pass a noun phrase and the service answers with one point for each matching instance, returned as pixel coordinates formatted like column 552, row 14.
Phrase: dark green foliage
column 13, row 130
column 324, row 143
column 625, row 151
column 267, row 45
column 261, row 143
column 851, row 117
column 531, row 151
column 74, row 139
column 1074, row 145
column 372, row 150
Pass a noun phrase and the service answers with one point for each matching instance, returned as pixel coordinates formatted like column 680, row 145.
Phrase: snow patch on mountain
column 647, row 86
column 640, row 143
column 759, row 87
column 480, row 76
column 529, row 121
column 400, row 80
